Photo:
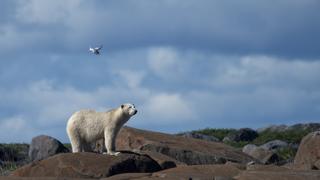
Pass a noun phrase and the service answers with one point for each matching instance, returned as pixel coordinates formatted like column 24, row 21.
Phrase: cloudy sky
column 185, row 64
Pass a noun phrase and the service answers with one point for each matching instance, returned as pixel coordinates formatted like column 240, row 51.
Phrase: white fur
column 87, row 126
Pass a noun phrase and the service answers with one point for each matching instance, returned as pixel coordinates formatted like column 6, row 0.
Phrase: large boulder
column 44, row 146
column 274, row 145
column 308, row 155
column 199, row 136
column 249, row 148
column 187, row 150
column 264, row 156
column 88, row 165
column 244, row 134
column 164, row 161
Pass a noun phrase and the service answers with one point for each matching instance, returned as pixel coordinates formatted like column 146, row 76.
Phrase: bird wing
column 98, row 48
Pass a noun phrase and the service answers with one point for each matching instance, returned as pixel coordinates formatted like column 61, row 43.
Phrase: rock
column 217, row 172
column 308, row 154
column 88, row 165
column 199, row 172
column 317, row 165
column 128, row 176
column 199, row 136
column 189, row 151
column 264, row 156
column 222, row 178
column 262, row 167
column 244, row 134
column 276, row 172
column 274, row 145
column 44, row 146
column 164, row 161
column 249, row 148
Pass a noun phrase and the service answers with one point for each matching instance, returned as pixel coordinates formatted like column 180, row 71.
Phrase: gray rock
column 262, row 155
column 44, row 146
column 316, row 165
column 249, row 148
column 274, row 145
column 199, row 136
column 187, row 156
column 244, row 134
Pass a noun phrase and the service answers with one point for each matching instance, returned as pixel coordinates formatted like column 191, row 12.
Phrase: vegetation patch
column 12, row 156
column 218, row 133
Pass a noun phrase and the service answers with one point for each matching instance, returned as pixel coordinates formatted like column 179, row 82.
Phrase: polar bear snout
column 133, row 112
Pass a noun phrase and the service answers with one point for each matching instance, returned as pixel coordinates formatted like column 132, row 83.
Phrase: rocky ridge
column 153, row 155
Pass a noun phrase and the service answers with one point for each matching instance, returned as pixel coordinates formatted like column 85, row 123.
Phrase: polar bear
column 85, row 127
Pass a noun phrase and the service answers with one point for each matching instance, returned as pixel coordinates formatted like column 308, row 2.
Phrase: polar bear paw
column 112, row 153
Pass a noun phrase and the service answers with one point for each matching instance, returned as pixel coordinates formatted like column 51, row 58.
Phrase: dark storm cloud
column 282, row 28
column 204, row 63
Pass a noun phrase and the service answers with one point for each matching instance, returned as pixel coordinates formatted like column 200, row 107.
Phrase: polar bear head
column 129, row 109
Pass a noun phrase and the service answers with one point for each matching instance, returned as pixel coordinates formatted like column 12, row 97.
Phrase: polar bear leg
column 109, row 141
column 75, row 141
column 76, row 146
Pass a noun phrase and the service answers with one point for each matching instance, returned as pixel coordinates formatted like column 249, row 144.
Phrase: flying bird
column 95, row 50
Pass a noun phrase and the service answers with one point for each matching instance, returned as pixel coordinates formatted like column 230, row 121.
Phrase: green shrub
column 13, row 156
column 218, row 133
column 239, row 144
column 68, row 145
column 287, row 153
column 8, row 166
column 290, row 136
column 14, row 152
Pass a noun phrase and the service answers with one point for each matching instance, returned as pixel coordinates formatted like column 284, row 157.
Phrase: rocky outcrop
column 308, row 155
column 262, row 155
column 186, row 150
column 164, row 161
column 44, row 146
column 88, row 165
column 244, row 134
column 274, row 145
column 199, row 136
